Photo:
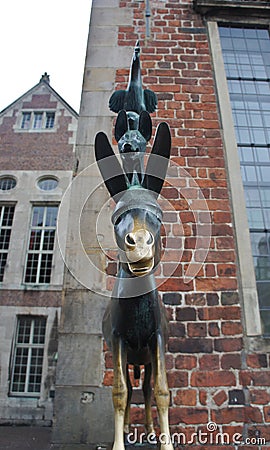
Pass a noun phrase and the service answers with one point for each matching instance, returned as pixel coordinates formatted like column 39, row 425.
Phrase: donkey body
column 134, row 324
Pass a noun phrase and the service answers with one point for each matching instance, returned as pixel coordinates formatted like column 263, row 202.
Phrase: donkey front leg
column 147, row 391
column 129, row 387
column 162, row 393
column 119, row 392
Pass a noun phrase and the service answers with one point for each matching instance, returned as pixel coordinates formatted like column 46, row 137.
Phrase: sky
column 38, row 37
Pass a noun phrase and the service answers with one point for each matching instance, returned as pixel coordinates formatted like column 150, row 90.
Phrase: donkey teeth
column 141, row 269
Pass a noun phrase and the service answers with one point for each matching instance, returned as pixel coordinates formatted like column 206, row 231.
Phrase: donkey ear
column 109, row 167
column 158, row 160
column 145, row 125
column 121, row 125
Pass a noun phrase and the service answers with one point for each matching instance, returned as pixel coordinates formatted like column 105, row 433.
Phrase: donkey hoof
column 118, row 446
column 166, row 446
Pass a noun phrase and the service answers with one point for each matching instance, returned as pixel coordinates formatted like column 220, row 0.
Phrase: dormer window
column 26, row 118
column 37, row 125
column 50, row 119
column 38, row 120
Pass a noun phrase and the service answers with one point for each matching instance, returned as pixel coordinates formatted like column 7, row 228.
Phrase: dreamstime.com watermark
column 211, row 436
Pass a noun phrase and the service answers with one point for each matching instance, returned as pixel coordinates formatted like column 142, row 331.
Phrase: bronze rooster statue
column 134, row 98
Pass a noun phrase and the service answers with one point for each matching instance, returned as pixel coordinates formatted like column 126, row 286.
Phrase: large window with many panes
column 246, row 55
column 28, row 355
column 6, row 219
column 39, row 260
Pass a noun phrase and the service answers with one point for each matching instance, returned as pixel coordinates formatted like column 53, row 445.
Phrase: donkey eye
column 117, row 221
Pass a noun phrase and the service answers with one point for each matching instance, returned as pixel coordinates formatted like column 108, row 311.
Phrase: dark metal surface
column 134, row 98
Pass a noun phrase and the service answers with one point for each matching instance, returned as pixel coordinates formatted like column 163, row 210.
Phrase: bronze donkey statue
column 134, row 324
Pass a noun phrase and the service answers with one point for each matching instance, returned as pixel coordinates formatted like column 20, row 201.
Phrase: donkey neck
column 128, row 286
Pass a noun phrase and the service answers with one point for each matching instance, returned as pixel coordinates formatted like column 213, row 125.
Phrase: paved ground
column 39, row 438
column 25, row 438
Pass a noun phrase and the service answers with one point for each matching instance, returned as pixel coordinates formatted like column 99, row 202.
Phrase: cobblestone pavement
column 25, row 438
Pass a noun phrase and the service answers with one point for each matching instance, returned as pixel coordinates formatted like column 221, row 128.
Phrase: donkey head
column 137, row 220
column 137, row 215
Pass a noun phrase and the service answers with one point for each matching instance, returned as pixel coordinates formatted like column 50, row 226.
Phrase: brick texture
column 41, row 150
column 206, row 347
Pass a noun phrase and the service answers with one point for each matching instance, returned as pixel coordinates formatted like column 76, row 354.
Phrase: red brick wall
column 20, row 298
column 206, row 356
column 36, row 150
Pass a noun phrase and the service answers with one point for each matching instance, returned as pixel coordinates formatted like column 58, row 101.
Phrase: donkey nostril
column 150, row 239
column 130, row 240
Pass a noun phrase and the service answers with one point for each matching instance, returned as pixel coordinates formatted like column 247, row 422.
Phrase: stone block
column 79, row 360
column 108, row 57
column 105, row 3
column 99, row 38
column 88, row 417
column 89, row 126
column 77, row 314
column 110, row 16
column 99, row 79
column 95, row 104
column 85, row 270
column 97, row 211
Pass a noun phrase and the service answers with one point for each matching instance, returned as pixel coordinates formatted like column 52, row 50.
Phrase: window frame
column 246, row 275
column 7, row 179
column 38, row 120
column 30, row 346
column 248, row 85
column 47, row 179
column 40, row 252
column 6, row 227
column 25, row 121
column 48, row 117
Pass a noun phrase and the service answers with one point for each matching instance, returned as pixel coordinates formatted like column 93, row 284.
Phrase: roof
column 44, row 80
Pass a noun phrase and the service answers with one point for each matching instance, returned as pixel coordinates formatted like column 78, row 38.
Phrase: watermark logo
column 212, row 435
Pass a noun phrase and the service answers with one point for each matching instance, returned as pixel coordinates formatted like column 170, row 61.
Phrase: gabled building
column 37, row 136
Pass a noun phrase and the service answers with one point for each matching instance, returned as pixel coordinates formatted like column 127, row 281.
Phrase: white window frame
column 6, row 227
column 32, row 122
column 29, row 346
column 40, row 252
column 26, row 122
column 38, row 120
column 246, row 278
column 49, row 115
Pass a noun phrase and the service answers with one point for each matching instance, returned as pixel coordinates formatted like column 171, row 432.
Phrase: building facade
column 36, row 165
column 208, row 62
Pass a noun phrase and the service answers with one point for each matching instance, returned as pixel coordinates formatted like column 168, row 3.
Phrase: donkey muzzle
column 139, row 248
